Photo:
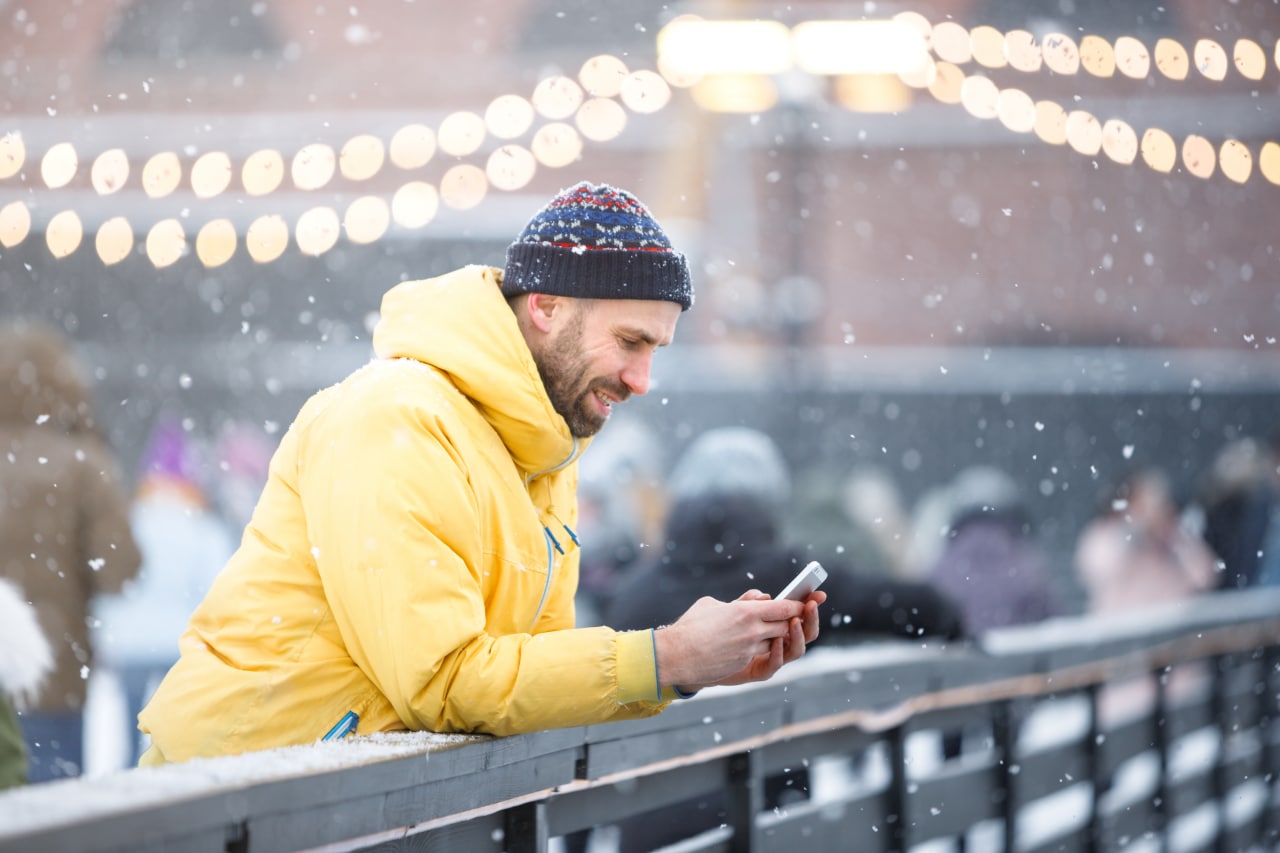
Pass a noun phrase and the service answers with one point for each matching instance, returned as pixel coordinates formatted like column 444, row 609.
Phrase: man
column 411, row 563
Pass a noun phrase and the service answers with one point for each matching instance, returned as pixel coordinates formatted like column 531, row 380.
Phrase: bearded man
column 412, row 563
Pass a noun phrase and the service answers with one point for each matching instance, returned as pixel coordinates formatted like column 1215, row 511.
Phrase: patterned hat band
column 597, row 242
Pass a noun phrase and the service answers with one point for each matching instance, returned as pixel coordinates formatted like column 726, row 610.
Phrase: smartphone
column 808, row 579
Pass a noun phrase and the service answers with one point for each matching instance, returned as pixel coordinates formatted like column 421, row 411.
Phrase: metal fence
column 996, row 743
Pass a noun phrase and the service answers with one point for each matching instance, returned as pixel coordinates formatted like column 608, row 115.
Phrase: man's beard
column 563, row 369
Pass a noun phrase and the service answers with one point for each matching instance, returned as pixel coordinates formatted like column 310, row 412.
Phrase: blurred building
column 912, row 276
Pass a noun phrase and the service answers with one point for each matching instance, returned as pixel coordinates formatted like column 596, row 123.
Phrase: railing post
column 525, row 829
column 1005, row 735
column 899, row 788
column 1270, row 754
column 1221, row 708
column 1161, row 805
column 746, row 801
column 1093, row 760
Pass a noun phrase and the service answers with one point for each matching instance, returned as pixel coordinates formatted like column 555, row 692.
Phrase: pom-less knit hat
column 596, row 242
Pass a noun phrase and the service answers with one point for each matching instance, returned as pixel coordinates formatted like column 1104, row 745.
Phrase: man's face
column 599, row 353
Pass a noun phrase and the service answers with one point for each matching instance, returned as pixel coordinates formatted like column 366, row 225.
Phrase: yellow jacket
column 404, row 563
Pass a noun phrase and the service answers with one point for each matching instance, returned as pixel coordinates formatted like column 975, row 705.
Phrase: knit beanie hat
column 596, row 242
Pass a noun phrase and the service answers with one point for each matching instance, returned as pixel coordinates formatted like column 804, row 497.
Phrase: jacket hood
column 40, row 380
column 461, row 325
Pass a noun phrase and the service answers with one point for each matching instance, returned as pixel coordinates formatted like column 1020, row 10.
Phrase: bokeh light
column 1268, row 165
column 211, row 174
column 601, row 119
column 1051, row 123
column 1084, row 132
column 262, row 172
column 557, row 97
column 1016, row 110
column 601, row 76
column 1097, row 56
column 1250, row 59
column 362, row 157
column 366, row 220
column 1211, row 59
column 15, row 223
column 980, row 97
column 556, row 145
column 1061, row 54
column 1159, row 151
column 987, row 45
column 13, row 154
column 114, row 240
column 950, row 43
column 59, row 165
column 1235, row 160
column 110, row 171
column 511, row 167
column 1198, row 156
column 1119, row 141
column 216, row 243
column 463, row 186
column 414, row 204
column 413, row 146
column 1171, row 59
column 1023, row 51
column 1132, row 58
column 508, row 116
column 161, row 174
column 313, row 166
column 166, row 243
column 267, row 238
column 317, row 230
column 645, row 92
column 64, row 233
column 461, row 133
column 946, row 85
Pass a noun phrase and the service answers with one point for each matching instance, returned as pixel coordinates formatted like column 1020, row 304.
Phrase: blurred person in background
column 1136, row 553
column 991, row 562
column 729, row 494
column 65, row 536
column 25, row 660
column 1240, row 500
column 241, row 456
column 184, row 545
column 873, row 502
column 620, row 507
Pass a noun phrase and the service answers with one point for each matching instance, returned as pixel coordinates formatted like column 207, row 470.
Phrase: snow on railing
column 874, row 747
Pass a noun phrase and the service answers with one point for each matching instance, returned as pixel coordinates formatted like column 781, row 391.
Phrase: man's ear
column 542, row 308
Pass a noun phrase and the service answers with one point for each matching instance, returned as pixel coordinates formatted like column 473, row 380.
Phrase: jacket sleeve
column 397, row 537
column 110, row 554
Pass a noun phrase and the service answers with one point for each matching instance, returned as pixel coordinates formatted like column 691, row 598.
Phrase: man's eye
column 629, row 343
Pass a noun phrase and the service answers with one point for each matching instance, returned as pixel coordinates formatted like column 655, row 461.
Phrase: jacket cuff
column 637, row 668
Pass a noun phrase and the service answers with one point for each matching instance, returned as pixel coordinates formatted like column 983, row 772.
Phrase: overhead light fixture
column 695, row 47
column 859, row 47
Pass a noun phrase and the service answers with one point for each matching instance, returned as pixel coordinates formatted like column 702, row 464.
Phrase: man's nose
column 636, row 374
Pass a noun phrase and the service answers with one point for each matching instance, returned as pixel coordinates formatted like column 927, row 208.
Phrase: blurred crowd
column 101, row 566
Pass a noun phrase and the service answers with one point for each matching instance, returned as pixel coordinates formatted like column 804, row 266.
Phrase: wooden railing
column 901, row 743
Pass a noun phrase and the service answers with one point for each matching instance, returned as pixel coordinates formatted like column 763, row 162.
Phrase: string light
column 597, row 103
column 1081, row 130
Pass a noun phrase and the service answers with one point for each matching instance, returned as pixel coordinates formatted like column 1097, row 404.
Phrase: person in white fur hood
column 25, row 659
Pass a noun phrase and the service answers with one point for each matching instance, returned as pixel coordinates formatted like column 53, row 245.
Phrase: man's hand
column 737, row 642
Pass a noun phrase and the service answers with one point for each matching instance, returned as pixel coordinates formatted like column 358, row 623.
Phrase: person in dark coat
column 728, row 494
column 64, row 527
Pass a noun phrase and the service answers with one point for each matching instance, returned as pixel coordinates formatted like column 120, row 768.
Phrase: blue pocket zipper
column 345, row 726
